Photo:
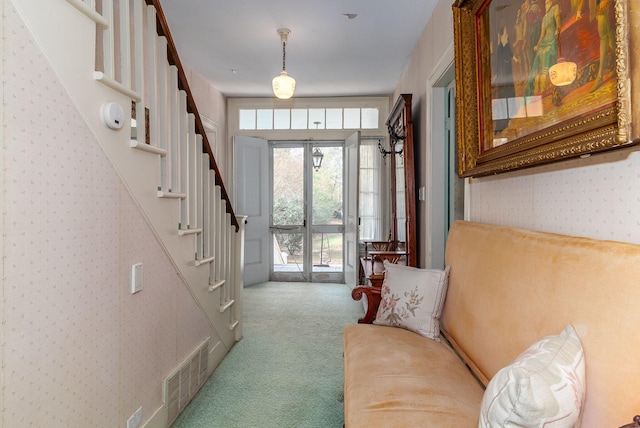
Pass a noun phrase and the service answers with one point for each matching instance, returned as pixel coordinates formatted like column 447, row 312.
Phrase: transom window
column 308, row 118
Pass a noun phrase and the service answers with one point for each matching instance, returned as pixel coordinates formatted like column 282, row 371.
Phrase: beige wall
column 595, row 197
column 79, row 350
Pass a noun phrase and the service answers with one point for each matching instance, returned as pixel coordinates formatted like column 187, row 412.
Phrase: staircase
column 121, row 67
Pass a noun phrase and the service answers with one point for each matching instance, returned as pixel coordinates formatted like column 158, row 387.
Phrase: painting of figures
column 540, row 81
column 549, row 61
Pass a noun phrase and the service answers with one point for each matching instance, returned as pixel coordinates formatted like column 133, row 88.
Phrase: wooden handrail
column 174, row 59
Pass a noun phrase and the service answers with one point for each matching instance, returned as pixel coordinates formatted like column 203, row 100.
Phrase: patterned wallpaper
column 597, row 197
column 79, row 349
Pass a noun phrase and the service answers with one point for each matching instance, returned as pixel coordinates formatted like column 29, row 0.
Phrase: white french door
column 307, row 218
column 252, row 189
column 351, row 204
column 302, row 223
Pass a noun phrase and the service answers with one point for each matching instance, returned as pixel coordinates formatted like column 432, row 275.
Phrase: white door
column 352, row 168
column 252, row 199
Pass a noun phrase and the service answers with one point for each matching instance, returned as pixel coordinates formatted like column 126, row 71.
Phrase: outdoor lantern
column 317, row 158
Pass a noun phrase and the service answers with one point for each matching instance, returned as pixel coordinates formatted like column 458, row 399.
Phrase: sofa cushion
column 544, row 386
column 412, row 298
column 397, row 378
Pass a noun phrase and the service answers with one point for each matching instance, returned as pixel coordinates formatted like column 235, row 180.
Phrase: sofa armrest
column 370, row 305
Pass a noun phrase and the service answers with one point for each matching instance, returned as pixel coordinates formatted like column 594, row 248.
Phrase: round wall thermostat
column 113, row 115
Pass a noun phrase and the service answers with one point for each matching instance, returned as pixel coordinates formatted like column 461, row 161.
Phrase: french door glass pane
column 288, row 254
column 327, row 252
column 288, row 186
column 327, row 188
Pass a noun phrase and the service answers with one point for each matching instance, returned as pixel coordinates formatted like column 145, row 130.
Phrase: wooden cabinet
column 402, row 180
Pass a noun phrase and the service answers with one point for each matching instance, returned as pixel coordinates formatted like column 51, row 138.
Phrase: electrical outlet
column 136, row 278
column 136, row 419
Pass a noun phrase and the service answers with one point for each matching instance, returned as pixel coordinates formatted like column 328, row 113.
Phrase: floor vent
column 183, row 384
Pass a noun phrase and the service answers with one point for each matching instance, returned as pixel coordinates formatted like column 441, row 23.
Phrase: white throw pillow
column 543, row 387
column 412, row 298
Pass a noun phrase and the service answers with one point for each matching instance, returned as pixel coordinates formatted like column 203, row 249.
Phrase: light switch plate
column 136, row 278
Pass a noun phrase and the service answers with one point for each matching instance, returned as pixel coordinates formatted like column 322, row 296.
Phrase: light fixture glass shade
column 563, row 73
column 283, row 85
column 317, row 158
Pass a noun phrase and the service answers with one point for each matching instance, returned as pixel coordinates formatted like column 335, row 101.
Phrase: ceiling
column 235, row 45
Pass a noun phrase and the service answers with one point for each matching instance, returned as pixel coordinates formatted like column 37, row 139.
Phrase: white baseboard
column 216, row 355
column 158, row 420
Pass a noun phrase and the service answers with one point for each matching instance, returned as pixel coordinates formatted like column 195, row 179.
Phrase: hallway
column 287, row 371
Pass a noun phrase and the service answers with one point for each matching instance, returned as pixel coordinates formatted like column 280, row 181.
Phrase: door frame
column 435, row 203
column 235, row 105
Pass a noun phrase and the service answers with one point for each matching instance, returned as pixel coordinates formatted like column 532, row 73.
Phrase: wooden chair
column 375, row 253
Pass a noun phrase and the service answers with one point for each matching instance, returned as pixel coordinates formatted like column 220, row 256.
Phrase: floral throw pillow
column 412, row 298
column 543, row 387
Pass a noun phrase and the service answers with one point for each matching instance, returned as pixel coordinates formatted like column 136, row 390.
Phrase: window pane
column 248, row 119
column 334, row 118
column 288, row 186
column 288, row 254
column 369, row 191
column 281, row 119
column 400, row 197
column 316, row 118
column 327, row 252
column 352, row 118
column 265, row 119
column 313, row 118
column 327, row 188
column 370, row 118
column 299, row 118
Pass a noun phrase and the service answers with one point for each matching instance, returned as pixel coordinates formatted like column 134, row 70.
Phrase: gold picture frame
column 515, row 106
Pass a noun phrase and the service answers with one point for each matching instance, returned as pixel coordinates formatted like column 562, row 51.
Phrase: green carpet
column 287, row 371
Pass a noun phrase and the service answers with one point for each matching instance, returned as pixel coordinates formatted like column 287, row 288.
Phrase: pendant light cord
column 284, row 53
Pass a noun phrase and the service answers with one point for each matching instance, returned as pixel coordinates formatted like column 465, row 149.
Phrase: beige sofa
column 507, row 289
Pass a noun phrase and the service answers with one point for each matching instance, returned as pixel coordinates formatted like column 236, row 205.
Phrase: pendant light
column 283, row 85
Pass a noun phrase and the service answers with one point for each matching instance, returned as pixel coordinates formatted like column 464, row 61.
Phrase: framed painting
column 539, row 81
